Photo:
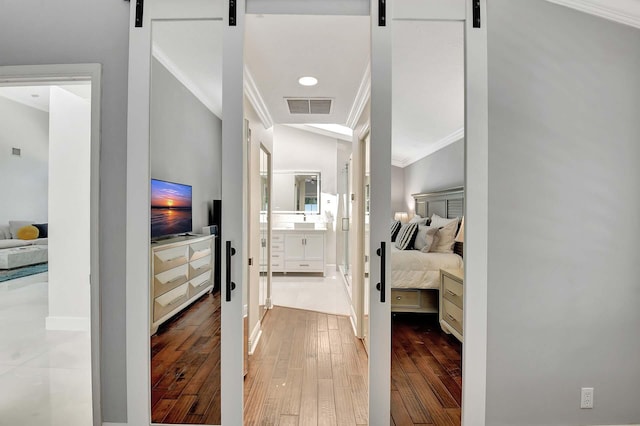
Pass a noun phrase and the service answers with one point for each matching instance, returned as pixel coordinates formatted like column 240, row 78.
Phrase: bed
column 415, row 276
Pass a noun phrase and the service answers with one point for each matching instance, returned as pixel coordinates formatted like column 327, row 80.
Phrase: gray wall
column 76, row 31
column 186, row 141
column 398, row 196
column 564, row 145
column 25, row 191
column 443, row 169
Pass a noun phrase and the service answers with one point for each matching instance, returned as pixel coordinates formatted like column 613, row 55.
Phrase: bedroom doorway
column 49, row 260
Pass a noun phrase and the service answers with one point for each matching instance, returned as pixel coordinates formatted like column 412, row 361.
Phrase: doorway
column 49, row 273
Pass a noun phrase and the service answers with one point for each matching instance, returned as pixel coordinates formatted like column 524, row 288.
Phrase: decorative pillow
column 28, row 232
column 426, row 237
column 424, row 221
column 14, row 225
column 43, row 229
column 406, row 236
column 395, row 228
column 447, row 233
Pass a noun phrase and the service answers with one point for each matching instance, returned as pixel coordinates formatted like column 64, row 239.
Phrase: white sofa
column 7, row 233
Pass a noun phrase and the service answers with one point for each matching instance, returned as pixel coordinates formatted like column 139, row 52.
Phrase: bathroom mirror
column 296, row 192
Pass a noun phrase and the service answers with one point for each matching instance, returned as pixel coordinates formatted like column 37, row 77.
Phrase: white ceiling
column 428, row 71
column 279, row 49
column 192, row 52
column 38, row 96
column 428, row 88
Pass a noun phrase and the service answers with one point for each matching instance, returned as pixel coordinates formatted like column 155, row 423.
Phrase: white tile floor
column 314, row 293
column 45, row 376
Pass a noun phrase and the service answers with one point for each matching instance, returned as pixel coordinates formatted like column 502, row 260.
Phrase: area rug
column 25, row 271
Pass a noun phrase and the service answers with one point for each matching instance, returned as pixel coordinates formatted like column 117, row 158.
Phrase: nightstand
column 451, row 297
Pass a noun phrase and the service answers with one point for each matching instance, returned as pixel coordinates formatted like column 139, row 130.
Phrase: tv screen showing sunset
column 170, row 208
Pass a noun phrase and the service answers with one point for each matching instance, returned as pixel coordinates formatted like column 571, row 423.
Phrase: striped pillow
column 407, row 236
column 395, row 227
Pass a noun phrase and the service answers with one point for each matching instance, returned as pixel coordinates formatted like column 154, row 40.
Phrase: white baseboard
column 68, row 323
column 255, row 337
column 114, row 424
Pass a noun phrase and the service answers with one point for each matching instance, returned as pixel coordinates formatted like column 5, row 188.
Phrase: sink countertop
column 291, row 228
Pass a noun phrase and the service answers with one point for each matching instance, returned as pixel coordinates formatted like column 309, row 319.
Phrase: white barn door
column 228, row 17
column 472, row 13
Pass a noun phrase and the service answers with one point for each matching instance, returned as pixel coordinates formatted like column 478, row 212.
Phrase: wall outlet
column 586, row 398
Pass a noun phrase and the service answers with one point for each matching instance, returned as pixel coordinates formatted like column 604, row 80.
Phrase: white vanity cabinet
column 181, row 272
column 302, row 251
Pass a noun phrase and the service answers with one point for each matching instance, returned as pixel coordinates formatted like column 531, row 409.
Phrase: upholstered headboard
column 448, row 203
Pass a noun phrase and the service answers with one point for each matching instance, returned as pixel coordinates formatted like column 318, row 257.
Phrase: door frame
column 50, row 74
column 476, row 192
column 138, row 212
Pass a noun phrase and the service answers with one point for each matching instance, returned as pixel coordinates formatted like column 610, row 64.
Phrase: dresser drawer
column 452, row 291
column 168, row 280
column 166, row 259
column 199, row 250
column 405, row 298
column 199, row 266
column 169, row 301
column 304, row 265
column 452, row 315
column 199, row 283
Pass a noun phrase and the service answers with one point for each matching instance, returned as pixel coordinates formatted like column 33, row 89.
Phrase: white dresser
column 181, row 272
column 451, row 298
column 297, row 251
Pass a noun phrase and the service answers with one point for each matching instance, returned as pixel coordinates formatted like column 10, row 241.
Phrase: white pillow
column 447, row 233
column 5, row 233
column 419, row 220
column 426, row 237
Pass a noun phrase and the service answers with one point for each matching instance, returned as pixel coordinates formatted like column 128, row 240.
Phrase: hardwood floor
column 308, row 369
column 185, row 366
column 426, row 372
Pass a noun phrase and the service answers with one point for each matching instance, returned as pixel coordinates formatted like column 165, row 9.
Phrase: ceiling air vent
column 309, row 105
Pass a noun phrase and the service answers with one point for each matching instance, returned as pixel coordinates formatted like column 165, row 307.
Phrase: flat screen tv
column 170, row 209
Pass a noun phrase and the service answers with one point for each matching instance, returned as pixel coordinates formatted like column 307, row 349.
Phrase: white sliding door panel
column 141, row 98
column 474, row 351
column 234, row 216
column 380, row 163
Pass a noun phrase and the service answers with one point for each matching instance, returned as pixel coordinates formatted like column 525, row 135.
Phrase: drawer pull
column 398, row 297
column 304, row 264
column 451, row 317
column 275, row 255
column 451, row 293
column 202, row 284
column 174, row 258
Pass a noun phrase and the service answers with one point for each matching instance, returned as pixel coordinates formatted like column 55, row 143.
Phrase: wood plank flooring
column 185, row 366
column 308, row 369
column 426, row 372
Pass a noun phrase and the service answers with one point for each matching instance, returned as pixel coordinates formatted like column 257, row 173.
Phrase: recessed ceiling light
column 308, row 81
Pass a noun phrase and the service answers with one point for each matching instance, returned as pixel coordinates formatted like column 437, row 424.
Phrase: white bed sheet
column 414, row 269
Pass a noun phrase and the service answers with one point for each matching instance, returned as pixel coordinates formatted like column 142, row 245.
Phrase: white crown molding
column 361, row 99
column 207, row 101
column 625, row 12
column 253, row 94
column 428, row 150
